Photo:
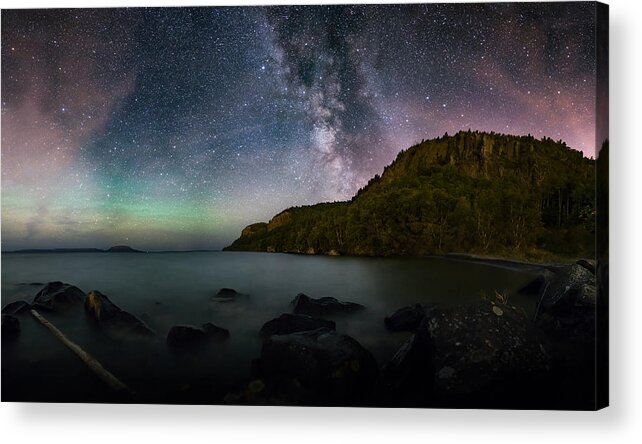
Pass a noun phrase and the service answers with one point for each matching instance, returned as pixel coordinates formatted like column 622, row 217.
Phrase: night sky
column 174, row 128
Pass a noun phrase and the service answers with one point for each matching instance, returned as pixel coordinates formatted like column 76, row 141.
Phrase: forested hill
column 473, row 192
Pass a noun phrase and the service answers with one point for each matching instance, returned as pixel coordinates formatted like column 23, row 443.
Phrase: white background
column 53, row 423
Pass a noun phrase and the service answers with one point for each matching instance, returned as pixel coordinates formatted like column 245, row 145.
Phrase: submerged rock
column 10, row 327
column 406, row 318
column 108, row 315
column 17, row 307
column 226, row 295
column 292, row 323
column 58, row 296
column 318, row 367
column 303, row 304
column 188, row 337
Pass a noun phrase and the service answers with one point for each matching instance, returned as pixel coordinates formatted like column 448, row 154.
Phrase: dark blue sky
column 176, row 127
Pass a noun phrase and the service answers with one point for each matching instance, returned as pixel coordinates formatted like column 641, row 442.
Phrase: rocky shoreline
column 484, row 354
column 504, row 262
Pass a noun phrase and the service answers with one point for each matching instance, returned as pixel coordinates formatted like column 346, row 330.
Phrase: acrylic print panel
column 357, row 205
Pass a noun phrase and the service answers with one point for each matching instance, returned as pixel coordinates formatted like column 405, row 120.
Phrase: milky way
column 174, row 128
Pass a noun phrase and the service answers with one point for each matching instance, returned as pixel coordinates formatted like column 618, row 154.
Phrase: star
column 182, row 125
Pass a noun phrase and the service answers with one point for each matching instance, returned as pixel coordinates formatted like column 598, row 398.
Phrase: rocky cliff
column 471, row 192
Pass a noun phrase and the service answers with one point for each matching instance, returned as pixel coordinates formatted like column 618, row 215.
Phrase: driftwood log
column 89, row 360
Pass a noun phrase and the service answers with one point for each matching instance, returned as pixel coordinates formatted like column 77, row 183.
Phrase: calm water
column 165, row 289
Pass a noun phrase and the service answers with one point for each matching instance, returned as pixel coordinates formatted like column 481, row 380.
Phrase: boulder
column 188, row 337
column 292, row 323
column 215, row 332
column 482, row 351
column 572, row 317
column 99, row 307
column 181, row 337
column 303, row 304
column 562, row 293
column 318, row 367
column 17, row 307
column 471, row 355
column 10, row 327
column 589, row 264
column 105, row 313
column 406, row 318
column 577, row 327
column 58, row 296
column 587, row 296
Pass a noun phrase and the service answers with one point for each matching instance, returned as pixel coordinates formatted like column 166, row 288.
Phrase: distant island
column 114, row 249
column 473, row 192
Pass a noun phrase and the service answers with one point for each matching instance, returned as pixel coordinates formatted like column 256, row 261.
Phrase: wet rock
column 215, row 332
column 562, row 293
column 182, row 337
column 188, row 337
column 292, row 323
column 17, row 307
column 319, row 367
column 468, row 356
column 106, row 314
column 10, row 327
column 589, row 264
column 572, row 317
column 587, row 296
column 406, row 318
column 488, row 354
column 58, row 296
column 303, row 304
column 98, row 306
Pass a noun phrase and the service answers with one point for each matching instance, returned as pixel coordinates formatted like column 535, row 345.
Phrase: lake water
column 166, row 289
